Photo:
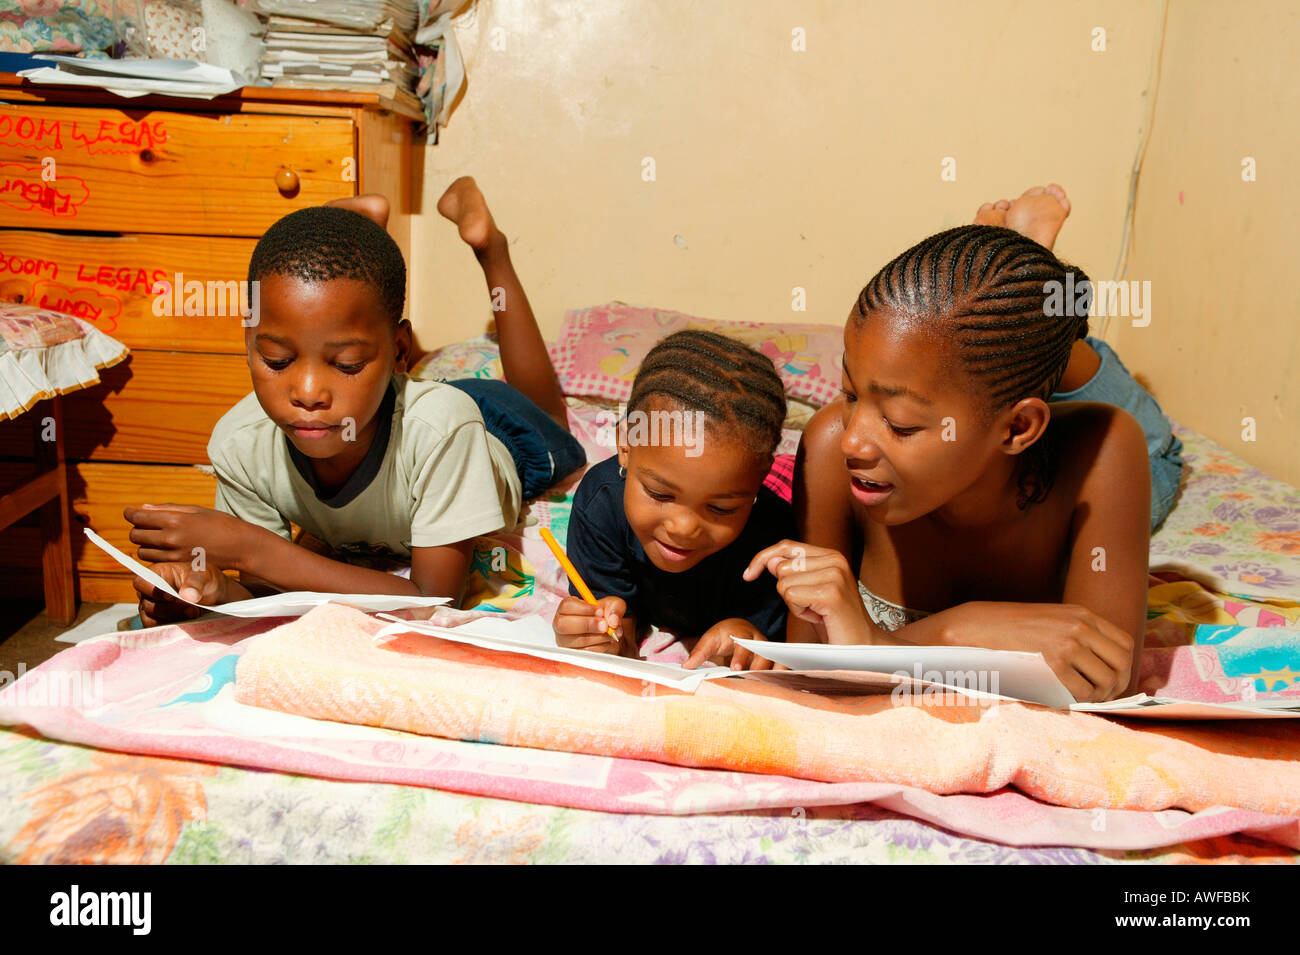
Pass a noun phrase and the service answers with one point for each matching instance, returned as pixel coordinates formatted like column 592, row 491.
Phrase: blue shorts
column 1113, row 385
column 543, row 452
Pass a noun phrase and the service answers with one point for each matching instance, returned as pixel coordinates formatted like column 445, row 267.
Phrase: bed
column 131, row 748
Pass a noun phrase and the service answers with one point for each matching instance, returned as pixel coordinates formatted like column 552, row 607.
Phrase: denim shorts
column 1112, row 384
column 543, row 451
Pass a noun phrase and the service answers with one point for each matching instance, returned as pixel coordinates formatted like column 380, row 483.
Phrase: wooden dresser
column 100, row 199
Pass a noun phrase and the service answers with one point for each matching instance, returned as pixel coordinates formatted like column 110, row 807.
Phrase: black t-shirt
column 613, row 563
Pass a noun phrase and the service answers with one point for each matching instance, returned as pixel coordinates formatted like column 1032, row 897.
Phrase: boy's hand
column 208, row 586
column 170, row 532
column 580, row 626
column 717, row 646
column 818, row 586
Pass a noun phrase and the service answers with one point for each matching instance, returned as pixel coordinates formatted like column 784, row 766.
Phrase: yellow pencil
column 574, row 576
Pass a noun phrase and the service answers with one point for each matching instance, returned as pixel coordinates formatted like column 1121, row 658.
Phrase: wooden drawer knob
column 286, row 180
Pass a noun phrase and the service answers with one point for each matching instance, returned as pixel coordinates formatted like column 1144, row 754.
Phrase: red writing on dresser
column 22, row 188
column 26, row 265
column 97, row 137
column 101, row 308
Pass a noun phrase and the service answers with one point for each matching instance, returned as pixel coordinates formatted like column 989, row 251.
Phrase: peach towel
column 326, row 665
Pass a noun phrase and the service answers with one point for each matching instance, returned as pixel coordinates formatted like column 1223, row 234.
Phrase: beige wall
column 1220, row 253
column 779, row 169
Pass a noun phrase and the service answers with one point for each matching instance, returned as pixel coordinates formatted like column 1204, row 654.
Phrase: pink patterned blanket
column 1027, row 776
column 170, row 692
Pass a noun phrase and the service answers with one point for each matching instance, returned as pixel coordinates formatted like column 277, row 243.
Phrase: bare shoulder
column 1099, row 444
column 822, row 505
column 821, row 435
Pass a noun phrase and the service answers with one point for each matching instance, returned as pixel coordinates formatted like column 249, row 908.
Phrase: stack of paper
column 332, row 43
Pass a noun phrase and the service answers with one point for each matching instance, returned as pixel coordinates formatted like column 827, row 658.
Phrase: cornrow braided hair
column 736, row 386
column 987, row 287
column 322, row 243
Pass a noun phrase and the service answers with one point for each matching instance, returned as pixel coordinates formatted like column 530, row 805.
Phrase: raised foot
column 464, row 205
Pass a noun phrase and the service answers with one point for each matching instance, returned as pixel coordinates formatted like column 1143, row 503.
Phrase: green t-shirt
column 434, row 476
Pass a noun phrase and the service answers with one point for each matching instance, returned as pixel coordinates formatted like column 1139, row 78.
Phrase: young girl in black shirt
column 663, row 532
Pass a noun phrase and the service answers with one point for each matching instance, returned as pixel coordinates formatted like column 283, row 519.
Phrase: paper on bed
column 534, row 637
column 1167, row 708
column 293, row 604
column 1006, row 673
column 983, row 673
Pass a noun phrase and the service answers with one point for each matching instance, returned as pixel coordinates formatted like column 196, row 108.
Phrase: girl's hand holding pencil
column 582, row 626
column 586, row 624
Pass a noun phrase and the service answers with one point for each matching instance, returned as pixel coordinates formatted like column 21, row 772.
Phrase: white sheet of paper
column 138, row 77
column 127, row 87
column 534, row 637
column 1007, row 673
column 1168, row 708
column 158, row 68
column 1020, row 676
column 293, row 604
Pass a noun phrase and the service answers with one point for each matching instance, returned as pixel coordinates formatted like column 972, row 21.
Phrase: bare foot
column 993, row 213
column 1039, row 213
column 372, row 205
column 464, row 205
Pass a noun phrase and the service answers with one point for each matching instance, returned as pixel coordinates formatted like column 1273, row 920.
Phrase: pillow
column 171, row 28
column 231, row 36
column 601, row 348
column 26, row 326
column 57, row 26
column 480, row 357
column 44, row 353
column 477, row 357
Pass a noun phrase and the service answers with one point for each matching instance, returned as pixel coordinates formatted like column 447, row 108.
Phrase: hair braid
column 988, row 287
column 736, row 386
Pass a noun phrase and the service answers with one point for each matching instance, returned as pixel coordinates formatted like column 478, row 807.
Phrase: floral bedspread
column 1233, row 527
column 61, row 803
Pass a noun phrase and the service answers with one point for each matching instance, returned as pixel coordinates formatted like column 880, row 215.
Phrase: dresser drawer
column 99, row 493
column 155, row 407
column 111, row 170
column 128, row 193
column 109, row 281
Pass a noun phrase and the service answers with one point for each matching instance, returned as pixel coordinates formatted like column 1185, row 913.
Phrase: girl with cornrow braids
column 663, row 532
column 943, row 480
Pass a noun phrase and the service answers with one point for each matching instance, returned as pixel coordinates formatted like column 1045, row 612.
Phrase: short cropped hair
column 321, row 243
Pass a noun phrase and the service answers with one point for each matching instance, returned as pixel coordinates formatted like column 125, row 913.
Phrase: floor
column 28, row 637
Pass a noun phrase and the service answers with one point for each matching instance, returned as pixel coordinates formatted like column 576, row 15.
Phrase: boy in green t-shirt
column 337, row 440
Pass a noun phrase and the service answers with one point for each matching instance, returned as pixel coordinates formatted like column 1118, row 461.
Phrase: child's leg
column 1039, row 214
column 375, row 207
column 524, row 358
column 371, row 205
